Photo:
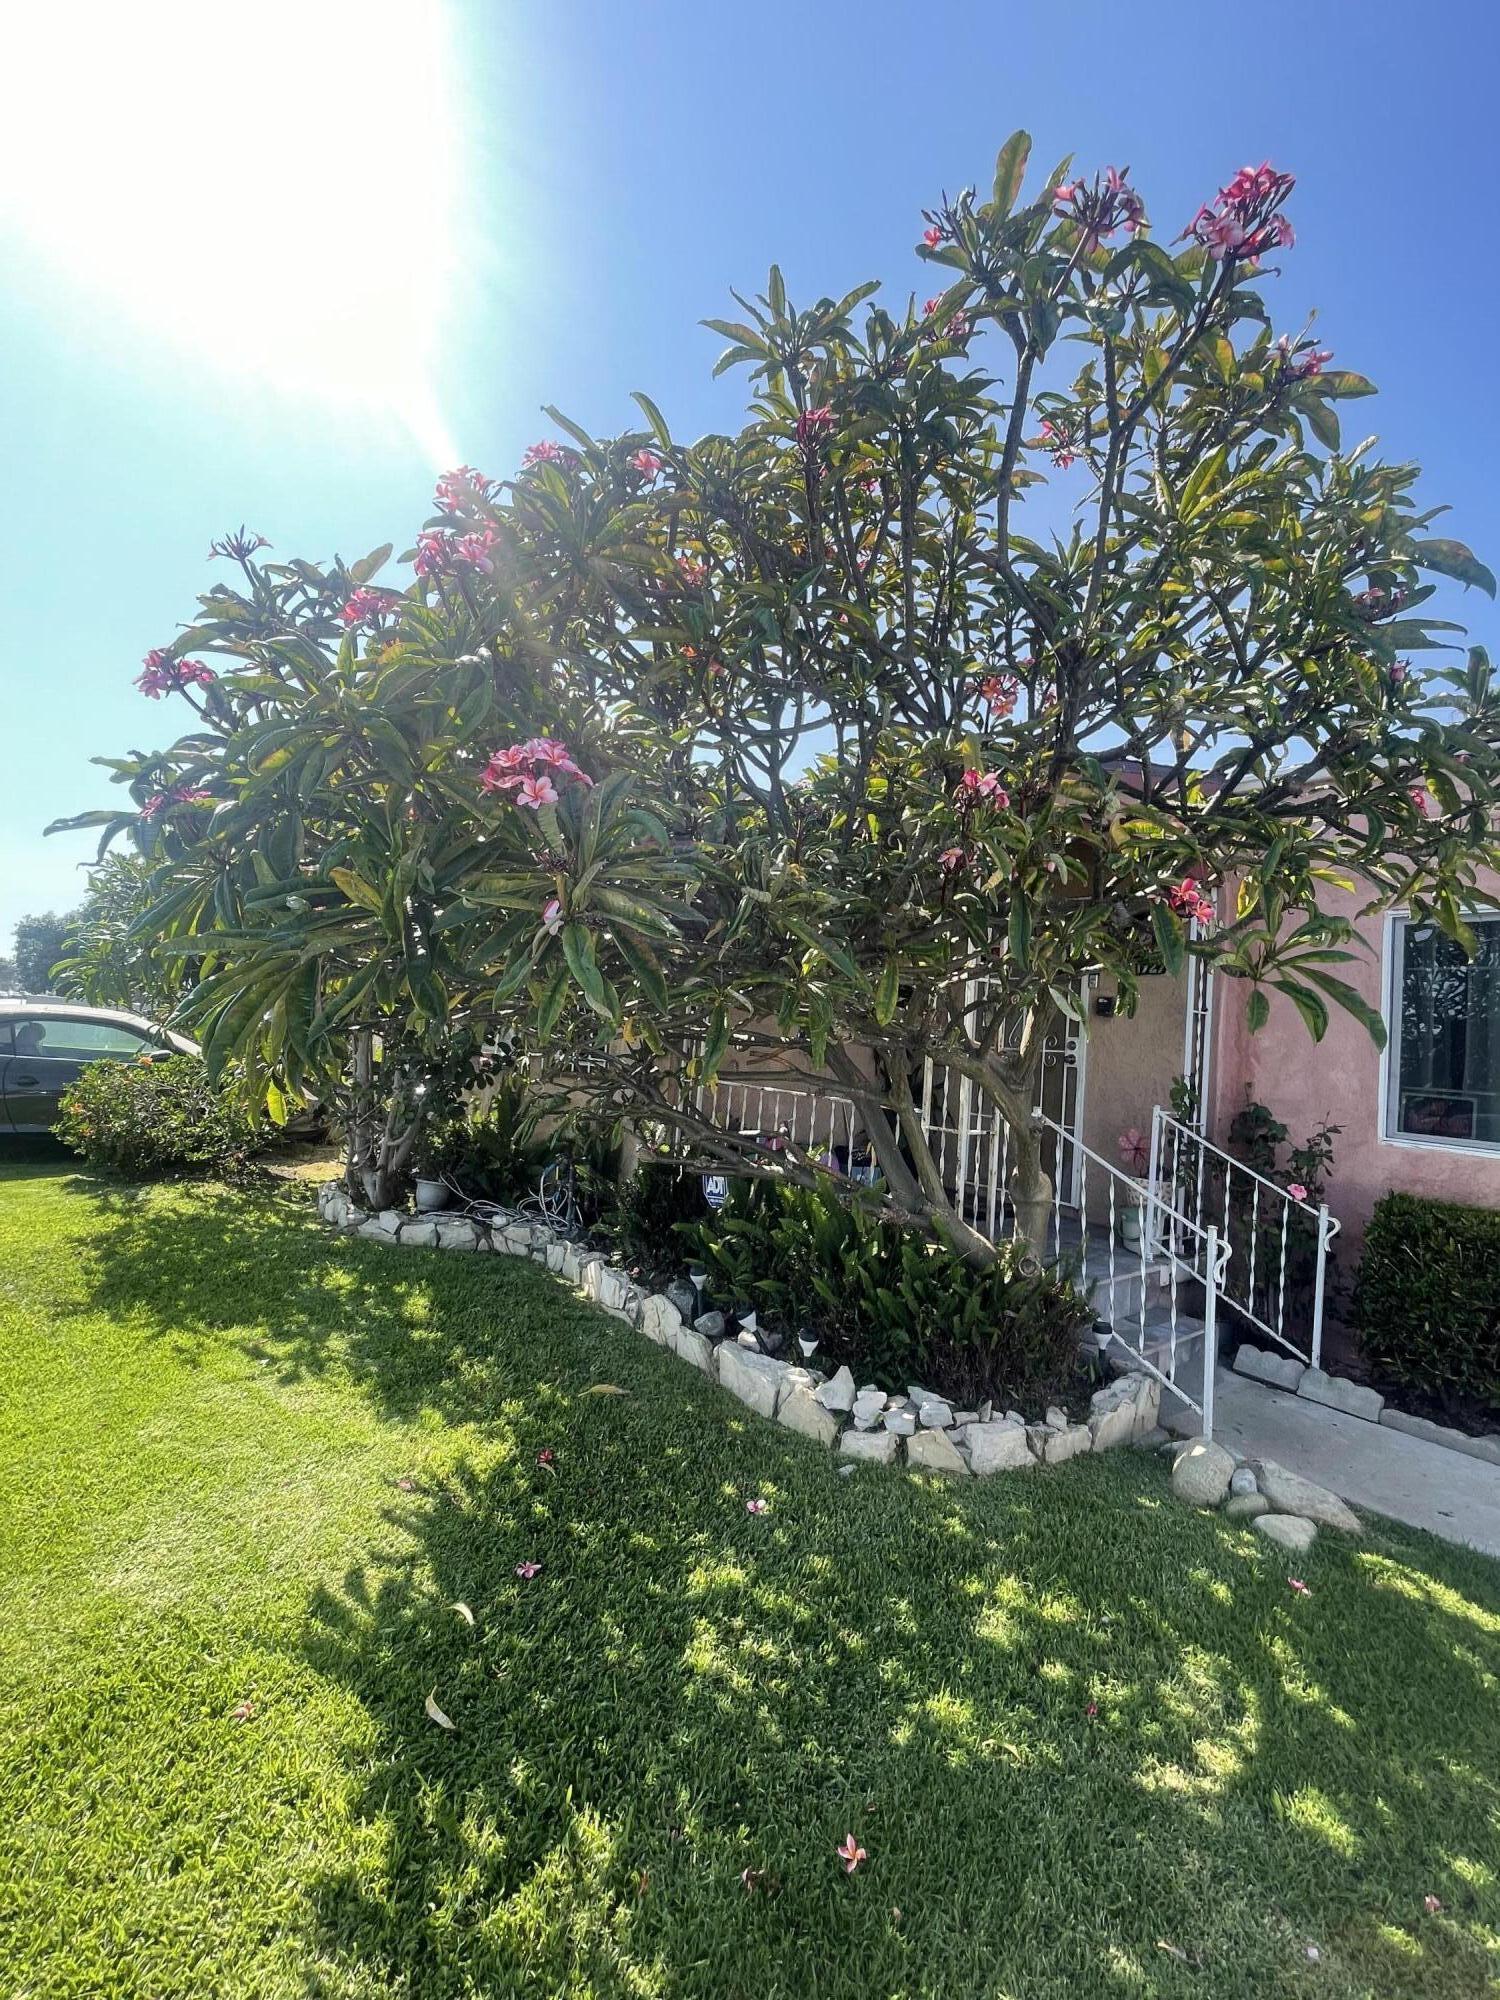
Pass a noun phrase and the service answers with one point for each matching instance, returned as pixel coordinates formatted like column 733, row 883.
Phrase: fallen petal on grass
column 851, row 1854
column 1432, row 1904
column 464, row 1612
column 242, row 1711
column 756, row 1506
column 527, row 1570
column 435, row 1714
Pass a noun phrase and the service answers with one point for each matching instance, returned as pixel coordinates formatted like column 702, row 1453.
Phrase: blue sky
column 238, row 290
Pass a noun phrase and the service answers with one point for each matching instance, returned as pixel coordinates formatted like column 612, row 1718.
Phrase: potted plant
column 431, row 1159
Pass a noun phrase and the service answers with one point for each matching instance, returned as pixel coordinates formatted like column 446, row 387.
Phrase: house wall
column 1338, row 1079
column 1130, row 1063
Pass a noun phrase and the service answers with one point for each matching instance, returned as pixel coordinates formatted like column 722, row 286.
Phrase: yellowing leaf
column 435, row 1714
column 606, row 1389
column 464, row 1612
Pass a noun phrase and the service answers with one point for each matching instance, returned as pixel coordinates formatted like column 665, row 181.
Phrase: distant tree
column 110, row 960
column 10, row 978
column 39, row 944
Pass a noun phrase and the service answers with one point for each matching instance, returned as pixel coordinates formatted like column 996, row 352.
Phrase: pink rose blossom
column 1296, row 1190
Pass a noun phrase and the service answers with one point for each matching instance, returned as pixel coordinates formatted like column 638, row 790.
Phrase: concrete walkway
column 1366, row 1464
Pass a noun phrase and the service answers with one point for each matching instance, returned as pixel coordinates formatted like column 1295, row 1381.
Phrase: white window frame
column 1393, row 955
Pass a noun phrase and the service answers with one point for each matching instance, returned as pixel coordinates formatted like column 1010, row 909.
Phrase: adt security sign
column 716, row 1189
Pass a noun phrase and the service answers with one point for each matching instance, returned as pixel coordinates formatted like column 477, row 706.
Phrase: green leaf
column 1344, row 382
column 1308, row 1005
column 1453, row 559
column 1257, row 1010
column 1018, row 933
column 578, row 950
column 653, row 417
column 550, row 1009
column 1010, row 170
column 1322, row 422
column 1351, row 1001
column 357, row 889
column 714, row 1047
column 887, row 993
column 1169, row 939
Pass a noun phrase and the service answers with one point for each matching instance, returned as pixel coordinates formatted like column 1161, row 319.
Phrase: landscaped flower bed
column 858, row 1421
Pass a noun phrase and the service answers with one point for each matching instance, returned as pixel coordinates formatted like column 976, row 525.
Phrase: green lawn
column 210, row 1415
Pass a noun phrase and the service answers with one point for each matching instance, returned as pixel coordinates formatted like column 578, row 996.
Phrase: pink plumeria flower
column 932, row 236
column 1092, row 1711
column 756, row 1506
column 161, row 674
column 527, row 1570
column 953, row 857
column 547, row 452
column 406, row 1485
column 547, row 1457
column 1399, row 671
column 505, row 770
column 552, row 916
column 1432, row 1904
column 1296, row 1190
column 534, row 793
column 365, row 607
column 1299, row 1586
column 647, row 462
column 461, row 488
column 984, row 785
column 694, row 574
column 850, row 1853
column 1420, row 799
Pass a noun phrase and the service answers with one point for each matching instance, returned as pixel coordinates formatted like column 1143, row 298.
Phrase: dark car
column 44, row 1044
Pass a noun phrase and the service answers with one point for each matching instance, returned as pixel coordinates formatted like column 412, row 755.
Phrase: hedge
column 1427, row 1298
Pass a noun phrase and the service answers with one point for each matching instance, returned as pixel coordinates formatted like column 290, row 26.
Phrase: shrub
column 1427, row 1299
column 653, row 1225
column 894, row 1306
column 490, row 1151
column 160, row 1115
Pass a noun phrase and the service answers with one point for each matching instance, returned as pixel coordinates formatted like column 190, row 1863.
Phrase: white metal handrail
column 1182, row 1161
column 1163, row 1235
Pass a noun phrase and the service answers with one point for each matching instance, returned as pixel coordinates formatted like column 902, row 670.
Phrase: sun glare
column 275, row 189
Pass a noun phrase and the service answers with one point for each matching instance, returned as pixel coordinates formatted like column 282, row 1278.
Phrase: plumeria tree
column 1049, row 625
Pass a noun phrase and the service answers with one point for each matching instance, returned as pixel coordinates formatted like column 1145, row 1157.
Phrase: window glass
column 79, row 1040
column 4, row 1038
column 1445, row 1041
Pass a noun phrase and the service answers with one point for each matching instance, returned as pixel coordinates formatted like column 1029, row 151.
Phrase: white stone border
column 833, row 1411
column 1353, row 1399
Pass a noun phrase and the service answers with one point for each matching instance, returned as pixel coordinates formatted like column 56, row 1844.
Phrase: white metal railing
column 812, row 1120
column 1137, row 1272
column 1258, row 1220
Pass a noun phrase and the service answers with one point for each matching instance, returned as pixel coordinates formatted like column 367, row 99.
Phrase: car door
column 48, row 1053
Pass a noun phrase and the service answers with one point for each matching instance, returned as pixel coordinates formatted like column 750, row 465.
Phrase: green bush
column 652, row 1226
column 491, row 1151
column 893, row 1305
column 1427, row 1300
column 159, row 1115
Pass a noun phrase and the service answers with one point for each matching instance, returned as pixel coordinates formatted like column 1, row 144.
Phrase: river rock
column 1201, row 1473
